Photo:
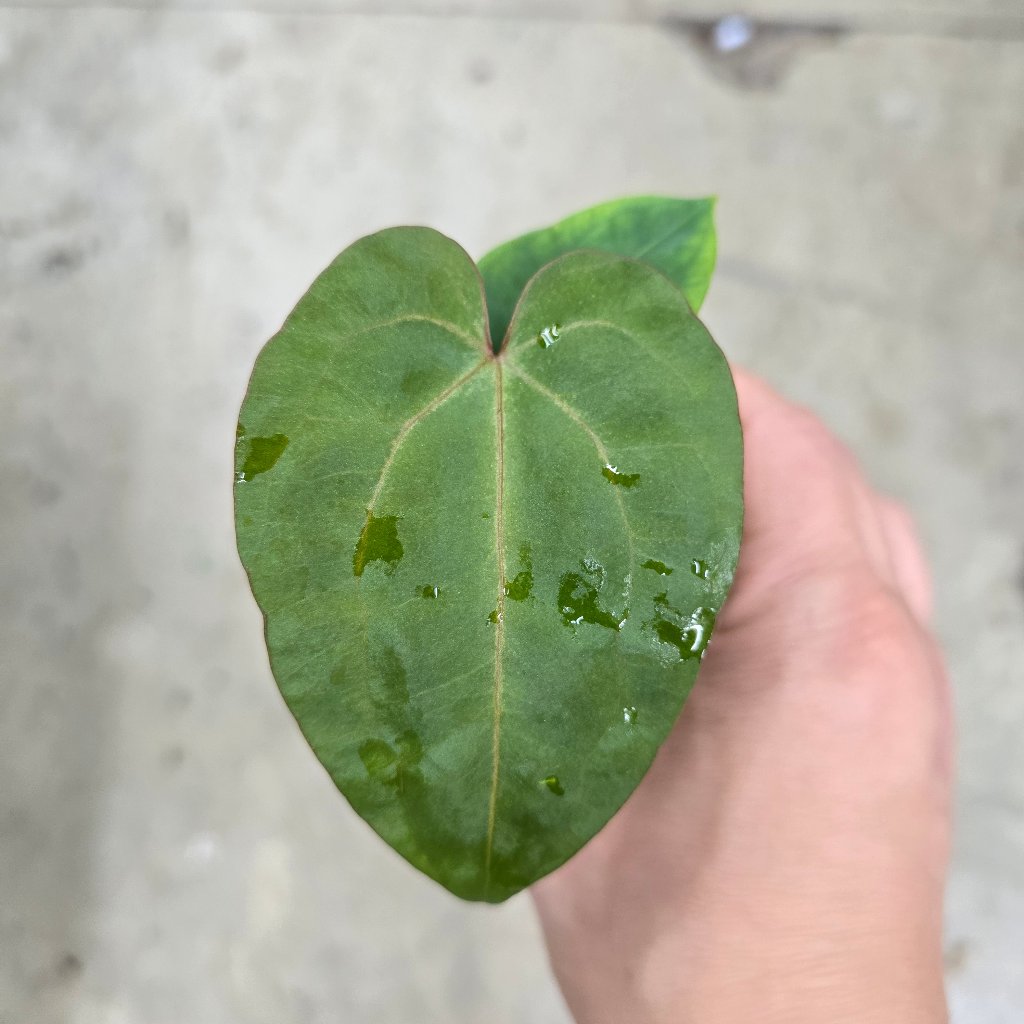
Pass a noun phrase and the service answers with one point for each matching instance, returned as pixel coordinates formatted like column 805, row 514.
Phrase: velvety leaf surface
column 487, row 582
column 675, row 235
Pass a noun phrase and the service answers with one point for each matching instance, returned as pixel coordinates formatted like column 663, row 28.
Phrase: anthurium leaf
column 487, row 580
column 675, row 235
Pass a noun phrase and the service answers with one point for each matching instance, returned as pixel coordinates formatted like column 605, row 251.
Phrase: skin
column 784, row 859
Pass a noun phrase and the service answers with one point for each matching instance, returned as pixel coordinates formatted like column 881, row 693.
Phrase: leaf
column 483, row 636
column 675, row 235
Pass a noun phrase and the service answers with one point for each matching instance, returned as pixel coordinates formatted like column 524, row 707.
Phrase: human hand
column 784, row 859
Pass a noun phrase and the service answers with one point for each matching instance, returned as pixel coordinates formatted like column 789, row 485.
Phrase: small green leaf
column 460, row 606
column 675, row 235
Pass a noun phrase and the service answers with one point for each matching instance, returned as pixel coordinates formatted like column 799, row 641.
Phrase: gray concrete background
column 170, row 181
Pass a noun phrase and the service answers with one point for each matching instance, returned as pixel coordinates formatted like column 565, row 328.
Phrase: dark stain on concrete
column 69, row 967
column 763, row 62
column 63, row 260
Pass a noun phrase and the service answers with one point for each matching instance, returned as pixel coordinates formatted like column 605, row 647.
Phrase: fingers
column 809, row 506
column 910, row 568
column 800, row 492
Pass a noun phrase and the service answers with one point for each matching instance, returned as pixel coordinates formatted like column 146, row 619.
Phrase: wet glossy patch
column 415, row 382
column 659, row 567
column 262, row 455
column 377, row 757
column 393, row 689
column 494, row 618
column 578, row 598
column 689, row 635
column 392, row 765
column 377, row 543
column 429, row 591
column 554, row 785
column 629, row 715
column 700, row 569
column 612, row 474
column 548, row 336
column 519, row 588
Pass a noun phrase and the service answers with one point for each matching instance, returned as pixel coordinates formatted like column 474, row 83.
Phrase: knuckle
column 882, row 658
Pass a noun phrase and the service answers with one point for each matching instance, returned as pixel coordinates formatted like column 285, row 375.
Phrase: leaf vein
column 446, row 325
column 602, row 451
column 339, row 385
column 499, row 625
column 578, row 325
column 412, row 421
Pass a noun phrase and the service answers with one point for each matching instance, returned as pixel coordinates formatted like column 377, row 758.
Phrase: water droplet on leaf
column 688, row 635
column 554, row 785
column 428, row 591
column 262, row 455
column 391, row 686
column 659, row 567
column 612, row 474
column 519, row 588
column 700, row 569
column 377, row 757
column 393, row 765
column 578, row 597
column 629, row 715
column 548, row 336
column 378, row 543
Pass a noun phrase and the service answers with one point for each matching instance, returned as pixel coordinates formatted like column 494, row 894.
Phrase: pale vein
column 411, row 422
column 499, row 626
column 574, row 415
column 446, row 325
column 338, row 385
column 607, row 325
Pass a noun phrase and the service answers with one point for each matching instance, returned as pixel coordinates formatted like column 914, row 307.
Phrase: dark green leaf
column 675, row 235
column 483, row 636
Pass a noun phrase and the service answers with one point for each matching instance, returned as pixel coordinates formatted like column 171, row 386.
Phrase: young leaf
column 476, row 570
column 675, row 235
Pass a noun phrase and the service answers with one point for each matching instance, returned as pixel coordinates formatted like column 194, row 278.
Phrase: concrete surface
column 985, row 18
column 171, row 181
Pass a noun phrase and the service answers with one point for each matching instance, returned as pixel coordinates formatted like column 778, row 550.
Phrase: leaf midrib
column 499, row 360
column 499, row 625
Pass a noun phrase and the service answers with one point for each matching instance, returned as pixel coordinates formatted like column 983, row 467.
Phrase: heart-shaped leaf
column 675, row 235
column 487, row 581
